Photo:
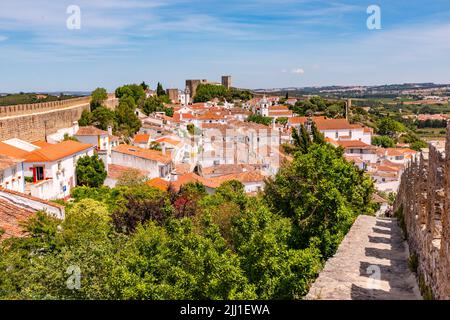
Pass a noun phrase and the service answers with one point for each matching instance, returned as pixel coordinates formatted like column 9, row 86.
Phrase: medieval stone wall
column 423, row 203
column 33, row 122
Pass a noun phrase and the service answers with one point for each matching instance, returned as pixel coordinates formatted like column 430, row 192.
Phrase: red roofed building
column 159, row 164
column 336, row 129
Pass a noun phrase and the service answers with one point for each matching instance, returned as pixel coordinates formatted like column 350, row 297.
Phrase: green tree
column 127, row 120
column 259, row 119
column 262, row 240
column 389, row 127
column 102, row 118
column 322, row 193
column 144, row 86
column 36, row 267
column 134, row 91
column 86, row 118
column 383, row 141
column 90, row 171
column 283, row 120
column 160, row 90
column 98, row 98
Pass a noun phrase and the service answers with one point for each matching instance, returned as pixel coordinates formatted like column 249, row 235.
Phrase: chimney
column 76, row 127
column 110, row 130
column 163, row 147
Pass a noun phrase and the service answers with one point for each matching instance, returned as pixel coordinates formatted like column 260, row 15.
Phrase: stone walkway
column 370, row 264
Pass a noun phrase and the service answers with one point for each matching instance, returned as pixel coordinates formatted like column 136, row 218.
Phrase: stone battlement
column 25, row 109
column 31, row 122
column 422, row 205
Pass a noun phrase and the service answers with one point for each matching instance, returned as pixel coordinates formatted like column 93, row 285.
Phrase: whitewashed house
column 157, row 163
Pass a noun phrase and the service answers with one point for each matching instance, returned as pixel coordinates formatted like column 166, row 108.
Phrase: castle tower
column 226, row 81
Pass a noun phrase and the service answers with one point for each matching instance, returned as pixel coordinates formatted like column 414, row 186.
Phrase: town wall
column 422, row 206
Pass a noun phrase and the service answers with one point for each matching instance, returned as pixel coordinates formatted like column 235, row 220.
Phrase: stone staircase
column 370, row 264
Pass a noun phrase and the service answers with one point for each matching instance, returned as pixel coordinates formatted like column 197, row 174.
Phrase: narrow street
column 370, row 264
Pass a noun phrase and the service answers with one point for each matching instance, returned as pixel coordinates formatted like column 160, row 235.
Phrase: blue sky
column 261, row 43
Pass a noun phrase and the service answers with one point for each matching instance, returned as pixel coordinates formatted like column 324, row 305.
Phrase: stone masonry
column 423, row 204
column 33, row 122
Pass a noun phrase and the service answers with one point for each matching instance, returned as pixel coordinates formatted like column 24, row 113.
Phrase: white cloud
column 298, row 71
column 3, row 38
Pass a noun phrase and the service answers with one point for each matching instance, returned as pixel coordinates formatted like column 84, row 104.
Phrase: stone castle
column 422, row 206
column 33, row 122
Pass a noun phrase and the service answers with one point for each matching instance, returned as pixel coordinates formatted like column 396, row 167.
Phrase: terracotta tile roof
column 280, row 113
column 192, row 178
column 244, row 177
column 57, row 151
column 183, row 168
column 41, row 144
column 12, row 152
column 279, row 108
column 226, row 169
column 91, row 131
column 399, row 152
column 302, row 120
column 144, row 153
column 168, row 140
column 159, row 184
column 113, row 138
column 115, row 171
column 141, row 138
column 8, row 162
column 335, row 124
column 11, row 217
column 355, row 144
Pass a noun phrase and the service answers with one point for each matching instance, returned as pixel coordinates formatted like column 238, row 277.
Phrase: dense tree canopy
column 90, row 171
column 137, row 242
column 207, row 92
column 98, row 98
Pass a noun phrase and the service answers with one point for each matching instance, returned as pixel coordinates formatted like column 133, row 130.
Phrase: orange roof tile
column 141, row 138
column 143, row 153
column 115, row 171
column 159, row 184
column 41, row 144
column 355, row 144
column 13, row 152
column 244, row 177
column 168, row 140
column 192, row 178
column 57, row 151
column 91, row 131
column 7, row 162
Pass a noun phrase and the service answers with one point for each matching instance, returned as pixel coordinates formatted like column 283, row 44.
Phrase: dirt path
column 371, row 264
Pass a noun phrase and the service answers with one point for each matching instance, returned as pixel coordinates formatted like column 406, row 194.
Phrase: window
column 1, row 177
column 337, row 134
column 38, row 174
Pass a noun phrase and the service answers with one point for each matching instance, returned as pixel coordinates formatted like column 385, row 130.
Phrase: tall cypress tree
column 305, row 138
column 318, row 137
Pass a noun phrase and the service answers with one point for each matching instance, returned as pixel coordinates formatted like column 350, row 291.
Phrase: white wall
column 9, row 175
column 61, row 173
column 131, row 161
